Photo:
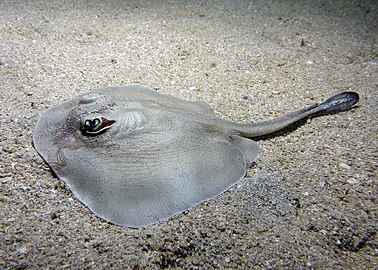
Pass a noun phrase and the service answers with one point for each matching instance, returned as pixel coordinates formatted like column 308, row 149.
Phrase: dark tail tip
column 338, row 103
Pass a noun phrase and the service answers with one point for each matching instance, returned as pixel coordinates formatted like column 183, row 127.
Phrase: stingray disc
column 135, row 157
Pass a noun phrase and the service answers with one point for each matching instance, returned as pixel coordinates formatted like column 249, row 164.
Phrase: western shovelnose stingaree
column 136, row 157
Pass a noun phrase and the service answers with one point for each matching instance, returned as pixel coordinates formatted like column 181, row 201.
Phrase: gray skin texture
column 136, row 157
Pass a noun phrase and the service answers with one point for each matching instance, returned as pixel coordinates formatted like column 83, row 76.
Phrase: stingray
column 135, row 157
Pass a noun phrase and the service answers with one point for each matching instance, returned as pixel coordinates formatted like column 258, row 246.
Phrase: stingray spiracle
column 133, row 120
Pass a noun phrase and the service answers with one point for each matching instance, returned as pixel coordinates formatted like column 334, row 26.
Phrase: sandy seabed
column 309, row 201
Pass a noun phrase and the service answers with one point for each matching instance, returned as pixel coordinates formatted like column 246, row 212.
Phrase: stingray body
column 135, row 156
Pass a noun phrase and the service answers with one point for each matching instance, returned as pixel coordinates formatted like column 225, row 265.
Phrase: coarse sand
column 309, row 201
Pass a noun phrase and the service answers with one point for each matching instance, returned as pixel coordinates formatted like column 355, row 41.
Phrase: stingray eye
column 96, row 125
column 92, row 125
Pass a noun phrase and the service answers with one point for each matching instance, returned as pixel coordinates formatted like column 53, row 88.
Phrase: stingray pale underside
column 161, row 156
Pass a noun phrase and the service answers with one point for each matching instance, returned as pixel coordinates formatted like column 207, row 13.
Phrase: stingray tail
column 335, row 104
